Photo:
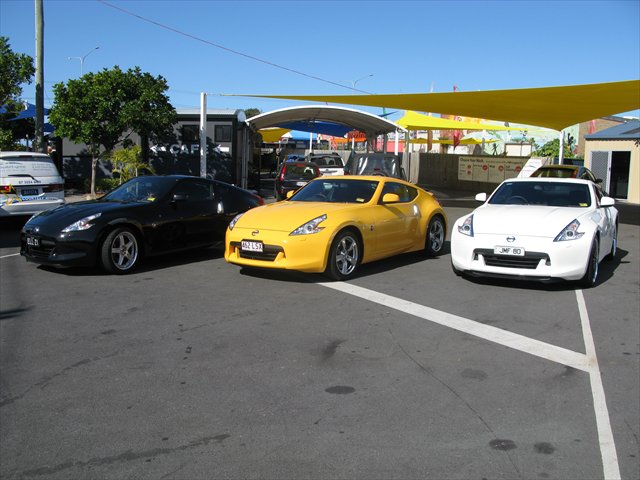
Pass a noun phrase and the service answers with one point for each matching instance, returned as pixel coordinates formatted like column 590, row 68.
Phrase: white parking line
column 488, row 332
column 605, row 433
column 587, row 363
column 10, row 255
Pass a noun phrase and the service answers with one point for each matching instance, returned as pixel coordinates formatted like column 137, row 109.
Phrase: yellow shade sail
column 551, row 107
column 272, row 135
column 417, row 121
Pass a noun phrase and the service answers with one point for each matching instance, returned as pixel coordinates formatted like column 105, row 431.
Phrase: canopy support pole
column 395, row 147
column 561, row 151
column 203, row 134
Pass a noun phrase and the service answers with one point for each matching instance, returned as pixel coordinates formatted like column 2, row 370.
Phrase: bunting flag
column 592, row 127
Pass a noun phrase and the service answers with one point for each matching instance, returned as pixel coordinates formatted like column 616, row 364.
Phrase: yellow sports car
column 333, row 224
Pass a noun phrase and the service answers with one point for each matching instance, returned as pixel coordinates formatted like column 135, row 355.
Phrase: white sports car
column 537, row 229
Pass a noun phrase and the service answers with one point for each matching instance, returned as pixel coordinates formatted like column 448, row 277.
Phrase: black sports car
column 145, row 216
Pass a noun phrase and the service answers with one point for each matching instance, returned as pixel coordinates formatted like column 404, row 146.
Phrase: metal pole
column 203, row 134
column 561, row 152
column 39, row 120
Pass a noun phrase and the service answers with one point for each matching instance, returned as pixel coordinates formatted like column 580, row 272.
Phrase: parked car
column 29, row 183
column 385, row 164
column 293, row 175
column 568, row 171
column 329, row 163
column 537, row 228
column 145, row 216
column 334, row 224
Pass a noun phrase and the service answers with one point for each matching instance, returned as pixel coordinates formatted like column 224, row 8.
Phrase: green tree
column 104, row 109
column 252, row 112
column 15, row 69
column 128, row 163
column 552, row 149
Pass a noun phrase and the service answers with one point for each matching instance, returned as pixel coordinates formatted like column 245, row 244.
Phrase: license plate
column 517, row 251
column 301, row 184
column 29, row 191
column 33, row 241
column 251, row 246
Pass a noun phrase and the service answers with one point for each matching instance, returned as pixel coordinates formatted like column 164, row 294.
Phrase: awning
column 272, row 135
column 324, row 128
column 551, row 107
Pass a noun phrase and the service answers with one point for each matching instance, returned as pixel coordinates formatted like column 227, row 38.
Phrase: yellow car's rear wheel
column 436, row 233
column 344, row 255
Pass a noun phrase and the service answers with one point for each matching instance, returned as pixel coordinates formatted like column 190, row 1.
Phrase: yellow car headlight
column 310, row 227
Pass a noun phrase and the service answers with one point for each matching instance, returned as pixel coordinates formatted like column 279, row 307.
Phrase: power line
column 227, row 49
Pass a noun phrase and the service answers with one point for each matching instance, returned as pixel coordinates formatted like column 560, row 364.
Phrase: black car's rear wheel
column 344, row 256
column 120, row 252
column 436, row 233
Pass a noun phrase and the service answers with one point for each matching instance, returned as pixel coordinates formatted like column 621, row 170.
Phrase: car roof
column 23, row 154
column 549, row 179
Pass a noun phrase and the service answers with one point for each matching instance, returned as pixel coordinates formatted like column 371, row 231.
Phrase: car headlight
column 82, row 224
column 310, row 227
column 233, row 222
column 570, row 232
column 467, row 226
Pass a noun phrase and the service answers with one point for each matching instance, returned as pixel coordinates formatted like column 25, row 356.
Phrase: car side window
column 399, row 189
column 195, row 190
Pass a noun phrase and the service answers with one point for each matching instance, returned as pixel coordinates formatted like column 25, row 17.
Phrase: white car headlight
column 467, row 226
column 234, row 221
column 570, row 232
column 82, row 224
column 310, row 227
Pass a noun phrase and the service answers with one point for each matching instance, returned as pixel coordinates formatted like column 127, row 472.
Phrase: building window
column 223, row 133
column 190, row 133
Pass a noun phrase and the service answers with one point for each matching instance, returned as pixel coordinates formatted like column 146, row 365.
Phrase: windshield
column 140, row 189
column 336, row 191
column 327, row 161
column 552, row 194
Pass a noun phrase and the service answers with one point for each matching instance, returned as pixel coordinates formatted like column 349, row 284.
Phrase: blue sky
column 386, row 46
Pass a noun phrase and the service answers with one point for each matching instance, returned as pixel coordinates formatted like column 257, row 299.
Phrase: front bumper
column 544, row 259
column 304, row 253
column 63, row 250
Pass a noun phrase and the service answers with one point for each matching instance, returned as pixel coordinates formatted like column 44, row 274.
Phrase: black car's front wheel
column 344, row 256
column 120, row 251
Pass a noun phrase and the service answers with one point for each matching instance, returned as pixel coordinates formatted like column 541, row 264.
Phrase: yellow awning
column 551, row 107
column 463, row 141
column 272, row 135
column 417, row 121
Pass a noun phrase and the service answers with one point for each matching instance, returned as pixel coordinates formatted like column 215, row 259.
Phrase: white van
column 29, row 183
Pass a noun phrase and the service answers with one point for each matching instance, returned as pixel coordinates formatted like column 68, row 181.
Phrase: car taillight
column 54, row 187
column 259, row 199
column 284, row 169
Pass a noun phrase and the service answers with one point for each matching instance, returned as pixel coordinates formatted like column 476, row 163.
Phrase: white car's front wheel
column 591, row 275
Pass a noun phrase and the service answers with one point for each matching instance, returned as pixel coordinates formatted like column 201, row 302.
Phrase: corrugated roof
column 625, row 131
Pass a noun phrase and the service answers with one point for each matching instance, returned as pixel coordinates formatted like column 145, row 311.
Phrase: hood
column 523, row 220
column 72, row 212
column 286, row 216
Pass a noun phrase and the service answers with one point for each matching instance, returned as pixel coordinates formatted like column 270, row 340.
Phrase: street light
column 353, row 82
column 82, row 58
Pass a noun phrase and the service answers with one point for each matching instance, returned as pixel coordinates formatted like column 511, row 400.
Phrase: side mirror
column 290, row 194
column 481, row 197
column 390, row 198
column 607, row 202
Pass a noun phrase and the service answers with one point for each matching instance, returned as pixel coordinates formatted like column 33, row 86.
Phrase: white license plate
column 251, row 246
column 517, row 251
column 301, row 184
column 28, row 191
column 33, row 241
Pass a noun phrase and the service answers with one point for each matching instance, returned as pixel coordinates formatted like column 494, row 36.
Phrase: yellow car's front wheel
column 344, row 256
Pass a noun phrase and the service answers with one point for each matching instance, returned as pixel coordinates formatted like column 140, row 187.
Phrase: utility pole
column 38, row 141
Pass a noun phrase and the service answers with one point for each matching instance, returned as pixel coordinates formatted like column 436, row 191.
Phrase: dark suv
column 293, row 175
column 385, row 164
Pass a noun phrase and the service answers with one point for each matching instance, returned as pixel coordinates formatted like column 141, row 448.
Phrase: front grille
column 43, row 251
column 529, row 261
column 269, row 253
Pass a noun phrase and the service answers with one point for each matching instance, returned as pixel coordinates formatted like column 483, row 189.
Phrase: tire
column 120, row 251
column 344, row 256
column 436, row 233
column 591, row 275
column 614, row 246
